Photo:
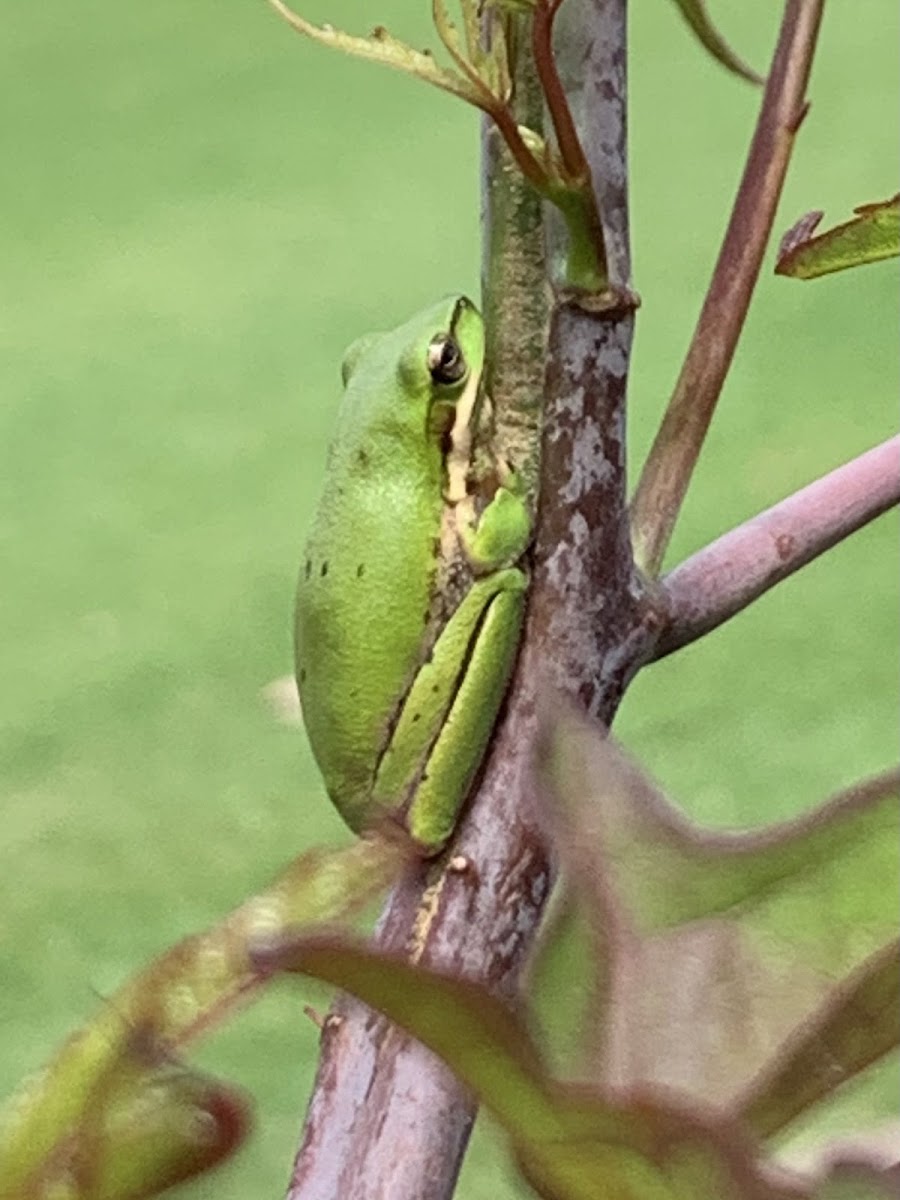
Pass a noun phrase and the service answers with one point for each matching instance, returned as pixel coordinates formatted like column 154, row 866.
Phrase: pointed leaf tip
column 872, row 235
column 694, row 12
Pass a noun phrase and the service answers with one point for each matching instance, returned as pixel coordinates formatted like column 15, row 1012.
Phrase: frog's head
column 428, row 370
column 450, row 348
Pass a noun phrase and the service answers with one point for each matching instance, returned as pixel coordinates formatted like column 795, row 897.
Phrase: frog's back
column 365, row 588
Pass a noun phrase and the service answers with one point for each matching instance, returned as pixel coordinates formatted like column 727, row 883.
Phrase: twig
column 717, row 582
column 567, row 142
column 581, row 203
column 466, row 83
column 484, row 98
column 667, row 471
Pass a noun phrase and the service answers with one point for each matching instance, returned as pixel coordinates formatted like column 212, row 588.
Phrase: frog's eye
column 445, row 360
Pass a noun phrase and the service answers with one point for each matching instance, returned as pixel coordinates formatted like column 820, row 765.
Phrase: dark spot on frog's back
column 323, row 570
column 362, row 457
column 307, row 570
column 302, row 677
column 360, row 570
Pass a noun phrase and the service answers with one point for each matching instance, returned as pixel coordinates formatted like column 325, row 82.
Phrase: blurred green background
column 199, row 212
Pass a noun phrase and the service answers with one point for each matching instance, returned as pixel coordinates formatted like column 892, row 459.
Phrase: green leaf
column 872, row 235
column 572, row 1143
column 185, row 992
column 716, row 951
column 694, row 12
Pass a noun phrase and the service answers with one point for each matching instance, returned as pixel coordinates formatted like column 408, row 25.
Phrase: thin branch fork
column 670, row 464
column 730, row 573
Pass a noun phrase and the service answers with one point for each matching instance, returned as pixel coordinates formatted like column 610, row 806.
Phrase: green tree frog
column 412, row 591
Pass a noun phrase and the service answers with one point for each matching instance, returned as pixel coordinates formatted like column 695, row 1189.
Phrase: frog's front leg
column 446, row 720
column 500, row 535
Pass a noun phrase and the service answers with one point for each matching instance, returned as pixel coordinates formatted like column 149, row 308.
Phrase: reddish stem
column 667, row 471
column 567, row 139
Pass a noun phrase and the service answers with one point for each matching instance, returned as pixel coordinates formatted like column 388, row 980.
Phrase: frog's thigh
column 467, row 727
column 434, row 689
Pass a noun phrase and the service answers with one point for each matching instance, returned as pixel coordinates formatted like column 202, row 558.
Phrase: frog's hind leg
column 437, row 684
column 491, row 627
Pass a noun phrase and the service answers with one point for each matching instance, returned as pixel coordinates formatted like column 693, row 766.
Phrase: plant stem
column 729, row 574
column 586, row 265
column 667, row 472
column 377, row 1089
column 514, row 294
column 476, row 913
column 557, row 106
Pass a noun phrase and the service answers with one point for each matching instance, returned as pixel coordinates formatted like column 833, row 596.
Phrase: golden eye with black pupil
column 445, row 360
